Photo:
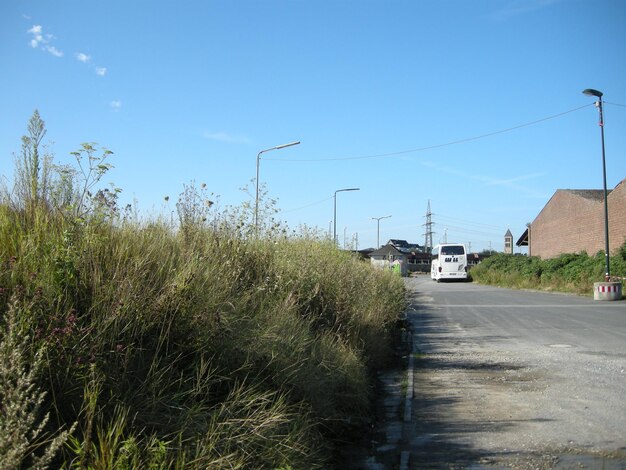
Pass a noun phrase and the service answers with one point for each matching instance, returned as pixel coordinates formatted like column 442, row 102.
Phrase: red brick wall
column 570, row 223
column 617, row 216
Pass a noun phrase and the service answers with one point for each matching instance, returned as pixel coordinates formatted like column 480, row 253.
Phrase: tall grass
column 574, row 273
column 191, row 345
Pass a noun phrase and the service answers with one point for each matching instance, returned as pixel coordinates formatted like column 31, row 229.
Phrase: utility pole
column 428, row 235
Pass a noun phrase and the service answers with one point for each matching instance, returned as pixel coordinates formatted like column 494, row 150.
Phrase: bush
column 567, row 272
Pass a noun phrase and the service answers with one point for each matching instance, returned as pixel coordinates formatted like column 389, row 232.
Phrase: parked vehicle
column 449, row 261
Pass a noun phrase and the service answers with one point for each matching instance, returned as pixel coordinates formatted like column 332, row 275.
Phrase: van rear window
column 453, row 250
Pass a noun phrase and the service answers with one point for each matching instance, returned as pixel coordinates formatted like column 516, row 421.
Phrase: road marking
column 404, row 455
column 409, row 389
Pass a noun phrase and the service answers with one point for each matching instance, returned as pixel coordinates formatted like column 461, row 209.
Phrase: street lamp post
column 258, row 159
column 378, row 219
column 598, row 94
column 335, row 211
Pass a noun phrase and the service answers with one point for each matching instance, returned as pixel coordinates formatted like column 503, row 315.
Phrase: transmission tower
column 428, row 234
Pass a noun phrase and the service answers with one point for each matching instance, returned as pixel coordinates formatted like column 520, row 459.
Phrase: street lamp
column 378, row 219
column 258, row 158
column 335, row 211
column 598, row 94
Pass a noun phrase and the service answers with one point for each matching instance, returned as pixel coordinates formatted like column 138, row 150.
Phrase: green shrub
column 567, row 272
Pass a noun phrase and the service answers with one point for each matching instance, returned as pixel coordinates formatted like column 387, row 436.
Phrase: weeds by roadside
column 187, row 343
column 574, row 273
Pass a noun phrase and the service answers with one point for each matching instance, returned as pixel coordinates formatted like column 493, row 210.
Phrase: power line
column 467, row 222
column 467, row 230
column 615, row 104
column 308, row 205
column 431, row 147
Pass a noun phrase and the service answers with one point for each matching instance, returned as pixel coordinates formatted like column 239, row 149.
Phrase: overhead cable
column 431, row 147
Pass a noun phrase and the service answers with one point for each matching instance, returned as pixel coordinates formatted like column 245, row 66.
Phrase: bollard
column 607, row 291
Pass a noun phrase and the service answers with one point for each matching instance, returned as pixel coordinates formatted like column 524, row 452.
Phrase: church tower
column 508, row 242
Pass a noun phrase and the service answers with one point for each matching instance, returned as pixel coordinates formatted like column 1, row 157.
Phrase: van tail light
column 440, row 269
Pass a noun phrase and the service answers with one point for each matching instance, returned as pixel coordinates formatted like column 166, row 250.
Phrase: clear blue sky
column 193, row 90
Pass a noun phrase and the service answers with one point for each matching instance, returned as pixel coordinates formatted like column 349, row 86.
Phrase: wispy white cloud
column 512, row 184
column 225, row 137
column 86, row 59
column 82, row 57
column 116, row 105
column 40, row 41
column 36, row 31
column 53, row 50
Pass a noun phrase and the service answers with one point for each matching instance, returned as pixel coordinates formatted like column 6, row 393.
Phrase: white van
column 449, row 261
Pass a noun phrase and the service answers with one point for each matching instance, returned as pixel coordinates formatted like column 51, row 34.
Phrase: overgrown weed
column 189, row 343
column 573, row 273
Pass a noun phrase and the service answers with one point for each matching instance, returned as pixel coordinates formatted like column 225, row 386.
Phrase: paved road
column 511, row 379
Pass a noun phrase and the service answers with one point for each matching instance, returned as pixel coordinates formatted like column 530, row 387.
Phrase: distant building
column 405, row 246
column 573, row 221
column 508, row 242
column 411, row 256
column 388, row 256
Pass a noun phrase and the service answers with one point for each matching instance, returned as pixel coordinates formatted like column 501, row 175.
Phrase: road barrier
column 607, row 291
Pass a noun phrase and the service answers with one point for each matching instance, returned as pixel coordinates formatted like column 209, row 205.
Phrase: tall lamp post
column 598, row 94
column 335, row 211
column 378, row 219
column 258, row 159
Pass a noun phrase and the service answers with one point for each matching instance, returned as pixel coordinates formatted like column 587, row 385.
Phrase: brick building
column 573, row 221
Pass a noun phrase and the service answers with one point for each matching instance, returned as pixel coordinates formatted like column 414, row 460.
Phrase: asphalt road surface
column 500, row 378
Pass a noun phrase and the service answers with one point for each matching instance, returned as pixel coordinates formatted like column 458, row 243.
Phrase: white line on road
column 404, row 456
column 409, row 387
